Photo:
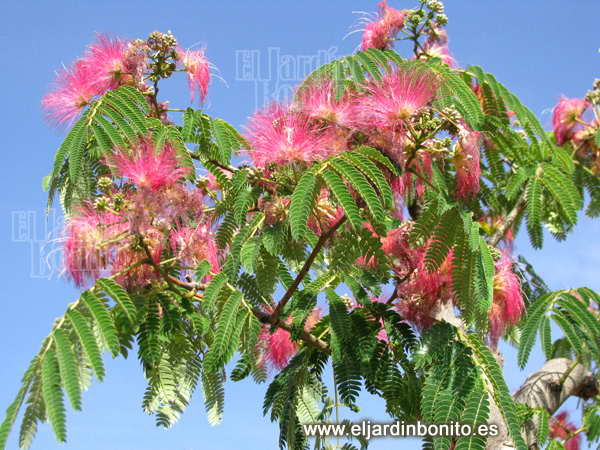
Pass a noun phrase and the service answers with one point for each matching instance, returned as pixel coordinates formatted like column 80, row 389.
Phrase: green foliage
column 497, row 388
column 569, row 310
column 302, row 203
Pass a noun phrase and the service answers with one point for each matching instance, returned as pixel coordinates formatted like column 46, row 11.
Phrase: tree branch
column 548, row 388
column 305, row 268
column 305, row 336
column 509, row 221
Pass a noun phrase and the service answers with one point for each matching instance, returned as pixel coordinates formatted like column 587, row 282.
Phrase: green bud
column 441, row 19
column 102, row 203
column 104, row 184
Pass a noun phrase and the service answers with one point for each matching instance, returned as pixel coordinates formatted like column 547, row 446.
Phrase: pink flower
column 420, row 290
column 198, row 71
column 191, row 245
column 106, row 58
column 466, row 162
column 507, row 306
column 100, row 69
column 86, row 256
column 437, row 36
column 442, row 52
column 75, row 89
column 560, row 428
column 396, row 98
column 277, row 347
column 279, row 135
column 379, row 33
column 148, row 168
column 566, row 116
column 318, row 101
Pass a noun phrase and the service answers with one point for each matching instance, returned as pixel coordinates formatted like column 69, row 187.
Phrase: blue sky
column 540, row 49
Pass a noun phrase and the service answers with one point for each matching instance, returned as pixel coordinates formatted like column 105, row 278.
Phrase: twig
column 306, row 267
column 509, row 221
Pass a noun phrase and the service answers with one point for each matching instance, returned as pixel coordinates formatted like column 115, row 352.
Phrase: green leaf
column 88, row 341
column 69, row 372
column 224, row 344
column 53, row 396
column 249, row 253
column 119, row 295
column 476, row 412
column 373, row 173
column 546, row 337
column 103, row 319
column 302, row 203
column 531, row 324
column 358, row 181
column 344, row 198
column 534, row 199
column 442, row 239
column 487, row 362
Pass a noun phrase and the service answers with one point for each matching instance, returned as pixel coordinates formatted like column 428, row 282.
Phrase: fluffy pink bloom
column 397, row 97
column 75, row 88
column 507, row 306
column 148, row 168
column 565, row 117
column 560, row 428
column 195, row 244
column 278, row 347
column 420, row 290
column 198, row 71
column 379, row 33
column 86, row 257
column 441, row 51
column 437, row 36
column 106, row 58
column 102, row 68
column 279, row 135
column 318, row 101
column 466, row 162
column 127, row 255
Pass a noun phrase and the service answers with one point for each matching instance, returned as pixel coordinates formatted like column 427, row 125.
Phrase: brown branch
column 548, row 389
column 305, row 336
column 305, row 268
column 509, row 221
column 264, row 317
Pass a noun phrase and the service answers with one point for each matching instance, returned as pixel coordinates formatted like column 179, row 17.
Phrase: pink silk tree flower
column 75, row 89
column 507, row 305
column 560, row 428
column 318, row 101
column 467, row 164
column 566, row 118
column 107, row 59
column 127, row 255
column 191, row 245
column 442, row 52
column 86, row 256
column 197, row 68
column 420, row 291
column 279, row 135
column 103, row 67
column 396, row 98
column 277, row 347
column 148, row 168
column 380, row 33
